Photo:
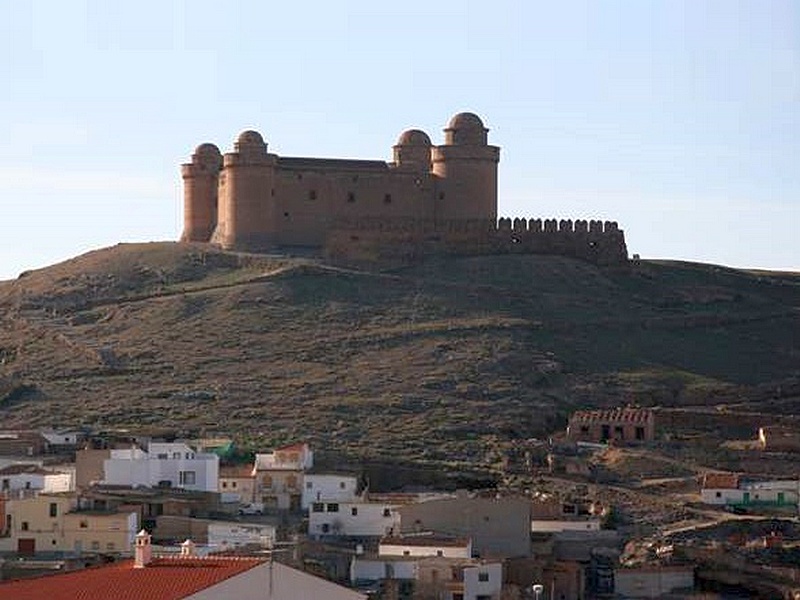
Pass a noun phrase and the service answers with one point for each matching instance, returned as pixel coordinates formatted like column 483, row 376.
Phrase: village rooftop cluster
column 125, row 503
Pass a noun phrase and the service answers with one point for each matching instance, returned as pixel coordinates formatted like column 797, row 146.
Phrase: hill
column 441, row 362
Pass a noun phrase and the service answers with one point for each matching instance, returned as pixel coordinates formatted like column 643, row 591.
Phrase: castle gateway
column 429, row 200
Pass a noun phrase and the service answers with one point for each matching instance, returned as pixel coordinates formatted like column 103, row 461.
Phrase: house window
column 439, row 553
column 326, row 528
column 309, row 485
column 387, row 198
column 84, row 524
column 177, row 455
column 341, row 485
column 387, row 512
column 53, row 509
column 312, row 194
column 351, row 197
column 110, row 546
column 6, row 484
column 95, row 545
column 619, row 433
column 639, row 433
column 187, row 477
column 318, row 507
column 163, row 456
column 718, row 495
column 441, row 195
column 354, row 511
column 23, row 526
column 27, row 485
column 483, row 576
column 406, row 552
column 233, row 484
column 333, row 507
column 584, row 429
column 224, row 484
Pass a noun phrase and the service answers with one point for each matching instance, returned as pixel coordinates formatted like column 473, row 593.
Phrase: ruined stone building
column 612, row 425
column 429, row 200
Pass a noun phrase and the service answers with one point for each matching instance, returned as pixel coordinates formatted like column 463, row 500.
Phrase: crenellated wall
column 408, row 241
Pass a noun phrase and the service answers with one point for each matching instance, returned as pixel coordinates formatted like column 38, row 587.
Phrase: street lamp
column 537, row 588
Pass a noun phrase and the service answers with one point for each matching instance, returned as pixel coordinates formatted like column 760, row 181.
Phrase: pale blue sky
column 679, row 120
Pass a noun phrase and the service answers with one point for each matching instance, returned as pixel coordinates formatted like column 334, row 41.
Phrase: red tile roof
column 721, row 481
column 163, row 579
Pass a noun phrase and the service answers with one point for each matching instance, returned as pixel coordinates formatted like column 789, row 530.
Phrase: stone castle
column 431, row 200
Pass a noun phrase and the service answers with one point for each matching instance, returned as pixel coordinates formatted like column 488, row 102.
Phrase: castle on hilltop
column 431, row 200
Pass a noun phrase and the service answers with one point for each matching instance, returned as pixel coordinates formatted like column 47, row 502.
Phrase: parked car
column 251, row 508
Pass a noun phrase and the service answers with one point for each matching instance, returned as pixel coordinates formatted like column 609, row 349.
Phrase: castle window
column 387, row 199
column 312, row 194
column 351, row 197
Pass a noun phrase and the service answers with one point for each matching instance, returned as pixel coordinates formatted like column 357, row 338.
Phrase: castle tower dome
column 466, row 170
column 246, row 217
column 413, row 149
column 466, row 129
column 200, row 183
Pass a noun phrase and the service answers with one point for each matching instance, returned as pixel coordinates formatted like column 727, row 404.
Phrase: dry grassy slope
column 464, row 353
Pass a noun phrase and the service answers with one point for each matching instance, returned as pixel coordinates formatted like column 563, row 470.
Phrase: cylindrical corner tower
column 246, row 219
column 200, row 182
column 467, row 170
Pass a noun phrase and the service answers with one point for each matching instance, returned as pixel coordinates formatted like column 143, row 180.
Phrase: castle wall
column 407, row 242
column 310, row 201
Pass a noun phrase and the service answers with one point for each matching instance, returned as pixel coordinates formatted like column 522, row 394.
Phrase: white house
column 726, row 489
column 426, row 545
column 446, row 578
column 329, row 488
column 34, row 477
column 165, row 464
column 223, row 535
column 352, row 519
column 279, row 476
column 479, row 581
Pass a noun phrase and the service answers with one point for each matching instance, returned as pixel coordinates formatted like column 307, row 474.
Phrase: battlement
column 405, row 241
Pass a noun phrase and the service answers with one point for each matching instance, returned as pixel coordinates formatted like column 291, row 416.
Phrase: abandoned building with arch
column 430, row 200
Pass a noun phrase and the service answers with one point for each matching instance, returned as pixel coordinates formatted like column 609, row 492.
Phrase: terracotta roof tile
column 163, row 579
column 722, row 481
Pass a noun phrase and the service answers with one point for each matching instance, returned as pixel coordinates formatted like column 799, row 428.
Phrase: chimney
column 188, row 549
column 144, row 551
